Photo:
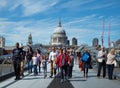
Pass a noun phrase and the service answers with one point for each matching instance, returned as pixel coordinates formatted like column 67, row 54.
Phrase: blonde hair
column 112, row 51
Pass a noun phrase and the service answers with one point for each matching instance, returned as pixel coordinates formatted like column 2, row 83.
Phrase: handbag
column 100, row 60
column 81, row 65
column 90, row 66
column 115, row 63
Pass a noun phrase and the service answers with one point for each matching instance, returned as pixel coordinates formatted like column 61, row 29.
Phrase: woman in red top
column 63, row 60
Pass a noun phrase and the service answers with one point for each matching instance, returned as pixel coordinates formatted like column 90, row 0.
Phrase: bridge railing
column 6, row 65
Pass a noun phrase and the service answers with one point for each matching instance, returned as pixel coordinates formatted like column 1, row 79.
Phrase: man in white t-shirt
column 101, row 62
column 52, row 59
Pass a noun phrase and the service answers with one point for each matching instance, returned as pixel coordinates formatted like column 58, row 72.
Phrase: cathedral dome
column 59, row 36
column 59, row 30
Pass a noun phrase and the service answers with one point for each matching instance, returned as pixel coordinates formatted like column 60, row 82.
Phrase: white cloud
column 28, row 7
column 41, row 31
column 75, row 3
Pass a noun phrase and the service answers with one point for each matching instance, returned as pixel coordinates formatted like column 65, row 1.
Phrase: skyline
column 82, row 19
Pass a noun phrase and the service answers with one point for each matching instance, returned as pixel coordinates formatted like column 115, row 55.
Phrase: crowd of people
column 61, row 61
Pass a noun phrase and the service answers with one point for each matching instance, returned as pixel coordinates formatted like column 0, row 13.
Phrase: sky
column 82, row 19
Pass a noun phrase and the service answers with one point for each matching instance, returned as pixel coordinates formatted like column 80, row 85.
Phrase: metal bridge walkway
column 77, row 81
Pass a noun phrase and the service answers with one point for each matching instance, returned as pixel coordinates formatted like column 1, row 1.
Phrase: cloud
column 27, row 7
column 75, row 3
column 30, row 7
column 41, row 30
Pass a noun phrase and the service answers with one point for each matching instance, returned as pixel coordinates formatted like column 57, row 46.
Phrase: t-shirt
column 16, row 55
column 52, row 56
column 35, row 60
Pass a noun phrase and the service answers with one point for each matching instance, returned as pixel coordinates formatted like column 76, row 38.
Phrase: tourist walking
column 101, row 62
column 71, row 65
column 110, row 63
column 22, row 54
column 16, row 61
column 63, row 60
column 44, row 65
column 35, row 63
column 39, row 59
column 52, row 59
column 86, row 59
column 29, row 55
column 79, row 60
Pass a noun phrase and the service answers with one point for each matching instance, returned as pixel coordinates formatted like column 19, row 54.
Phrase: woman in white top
column 110, row 63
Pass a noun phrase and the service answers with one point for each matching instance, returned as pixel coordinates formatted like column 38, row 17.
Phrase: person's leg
column 51, row 68
column 70, row 71
column 15, row 70
column 61, row 74
column 22, row 68
column 36, row 69
column 31, row 65
column 39, row 66
column 99, row 69
column 18, row 70
column 66, row 71
column 28, row 63
column 86, row 74
column 108, row 67
column 104, row 69
column 111, row 71
column 54, row 71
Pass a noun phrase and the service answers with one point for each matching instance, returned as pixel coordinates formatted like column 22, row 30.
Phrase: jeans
column 17, row 69
column 30, row 66
column 63, row 70
column 110, row 70
column 70, row 71
column 100, row 65
column 35, row 69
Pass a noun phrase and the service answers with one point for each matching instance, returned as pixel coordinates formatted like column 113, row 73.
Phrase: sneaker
column 98, row 77
column 86, row 75
column 62, row 80
column 50, row 76
column 65, row 79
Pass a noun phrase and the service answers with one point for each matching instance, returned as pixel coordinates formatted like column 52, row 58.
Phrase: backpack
column 85, row 57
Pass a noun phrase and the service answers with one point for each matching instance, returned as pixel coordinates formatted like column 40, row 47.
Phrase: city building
column 59, row 36
column 2, row 42
column 74, row 41
column 95, row 42
column 29, row 40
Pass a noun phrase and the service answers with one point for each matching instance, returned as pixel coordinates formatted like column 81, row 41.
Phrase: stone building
column 30, row 40
column 2, row 42
column 74, row 41
column 59, row 36
column 95, row 42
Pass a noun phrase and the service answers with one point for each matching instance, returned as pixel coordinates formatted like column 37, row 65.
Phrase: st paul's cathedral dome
column 59, row 36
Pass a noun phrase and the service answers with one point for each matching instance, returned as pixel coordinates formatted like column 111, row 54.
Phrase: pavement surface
column 77, row 81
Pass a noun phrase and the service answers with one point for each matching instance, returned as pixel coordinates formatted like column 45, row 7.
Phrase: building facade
column 95, row 42
column 30, row 42
column 59, row 36
column 2, row 42
column 74, row 41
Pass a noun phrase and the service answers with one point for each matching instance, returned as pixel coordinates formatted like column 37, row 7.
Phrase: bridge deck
column 77, row 81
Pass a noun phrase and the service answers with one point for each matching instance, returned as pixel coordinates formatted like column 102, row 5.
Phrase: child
column 35, row 62
column 44, row 65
